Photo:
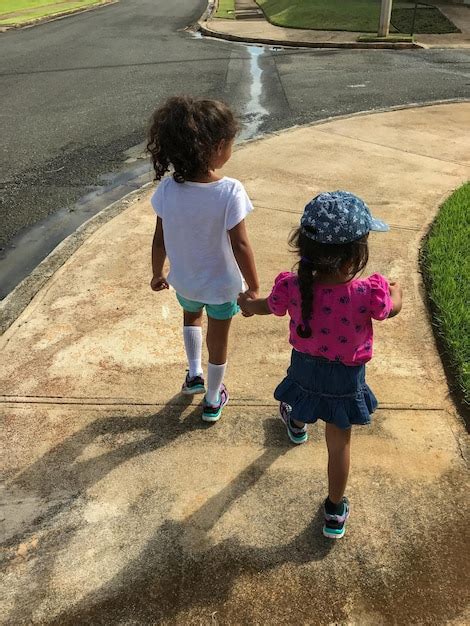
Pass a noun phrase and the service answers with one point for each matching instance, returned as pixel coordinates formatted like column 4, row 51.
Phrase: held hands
column 395, row 289
column 244, row 300
column 396, row 296
column 158, row 283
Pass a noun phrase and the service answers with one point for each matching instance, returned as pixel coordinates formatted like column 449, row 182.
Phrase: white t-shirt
column 196, row 219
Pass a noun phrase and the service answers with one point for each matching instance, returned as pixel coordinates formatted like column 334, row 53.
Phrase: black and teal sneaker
column 296, row 435
column 335, row 525
column 193, row 385
column 212, row 413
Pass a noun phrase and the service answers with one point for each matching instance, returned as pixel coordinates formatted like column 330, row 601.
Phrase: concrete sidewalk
column 120, row 506
column 262, row 31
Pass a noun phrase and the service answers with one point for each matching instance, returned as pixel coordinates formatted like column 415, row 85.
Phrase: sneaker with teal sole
column 193, row 385
column 212, row 413
column 335, row 525
column 296, row 435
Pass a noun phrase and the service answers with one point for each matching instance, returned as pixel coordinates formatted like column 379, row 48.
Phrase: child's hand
column 251, row 304
column 158, row 283
column 396, row 295
column 243, row 302
column 395, row 288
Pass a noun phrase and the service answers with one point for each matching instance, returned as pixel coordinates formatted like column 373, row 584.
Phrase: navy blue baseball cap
column 338, row 217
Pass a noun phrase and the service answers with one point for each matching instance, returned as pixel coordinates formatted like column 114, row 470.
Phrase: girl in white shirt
column 201, row 228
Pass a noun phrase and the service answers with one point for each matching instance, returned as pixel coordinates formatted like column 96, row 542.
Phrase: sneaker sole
column 291, row 436
column 212, row 417
column 193, row 391
column 333, row 535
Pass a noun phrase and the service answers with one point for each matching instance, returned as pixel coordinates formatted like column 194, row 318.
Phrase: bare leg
column 192, row 319
column 217, row 340
column 338, row 441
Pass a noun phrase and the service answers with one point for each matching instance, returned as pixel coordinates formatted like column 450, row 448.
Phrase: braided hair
column 321, row 259
column 184, row 134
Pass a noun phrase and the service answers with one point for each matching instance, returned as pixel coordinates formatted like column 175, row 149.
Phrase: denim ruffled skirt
column 317, row 388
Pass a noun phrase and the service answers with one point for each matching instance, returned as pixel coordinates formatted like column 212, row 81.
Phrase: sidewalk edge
column 353, row 45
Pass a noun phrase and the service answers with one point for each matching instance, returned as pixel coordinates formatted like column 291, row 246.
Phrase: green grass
column 226, row 9
column 17, row 12
column 352, row 15
column 445, row 260
column 349, row 15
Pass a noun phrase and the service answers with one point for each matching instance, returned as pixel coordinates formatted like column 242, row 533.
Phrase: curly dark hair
column 184, row 133
column 320, row 259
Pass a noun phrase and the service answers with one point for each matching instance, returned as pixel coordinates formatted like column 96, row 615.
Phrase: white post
column 385, row 15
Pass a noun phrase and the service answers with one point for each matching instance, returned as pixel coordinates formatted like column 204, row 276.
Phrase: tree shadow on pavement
column 180, row 567
column 59, row 479
column 195, row 571
column 60, row 476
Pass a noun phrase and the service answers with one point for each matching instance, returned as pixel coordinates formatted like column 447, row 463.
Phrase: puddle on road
column 255, row 112
column 32, row 245
column 252, row 111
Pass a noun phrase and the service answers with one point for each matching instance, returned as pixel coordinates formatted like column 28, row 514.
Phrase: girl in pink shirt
column 331, row 313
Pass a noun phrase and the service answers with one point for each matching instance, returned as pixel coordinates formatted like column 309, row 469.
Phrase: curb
column 347, row 116
column 16, row 302
column 56, row 16
column 353, row 45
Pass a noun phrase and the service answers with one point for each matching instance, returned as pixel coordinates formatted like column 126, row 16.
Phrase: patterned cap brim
column 379, row 226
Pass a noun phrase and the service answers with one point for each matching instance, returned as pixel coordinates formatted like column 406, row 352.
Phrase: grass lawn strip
column 353, row 15
column 445, row 260
column 349, row 15
column 17, row 12
column 226, row 9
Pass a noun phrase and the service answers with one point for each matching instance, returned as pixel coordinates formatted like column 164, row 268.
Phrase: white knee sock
column 193, row 346
column 215, row 377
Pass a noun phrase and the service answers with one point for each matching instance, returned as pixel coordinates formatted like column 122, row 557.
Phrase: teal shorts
column 217, row 311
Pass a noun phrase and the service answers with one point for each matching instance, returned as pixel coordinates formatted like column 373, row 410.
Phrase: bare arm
column 253, row 306
column 158, row 281
column 396, row 295
column 244, row 256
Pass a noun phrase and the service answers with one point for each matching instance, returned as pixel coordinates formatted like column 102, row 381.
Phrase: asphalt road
column 76, row 96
